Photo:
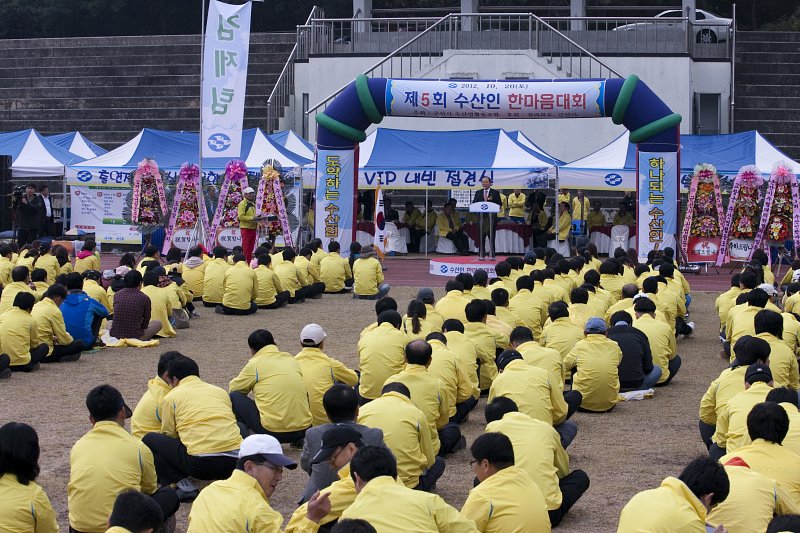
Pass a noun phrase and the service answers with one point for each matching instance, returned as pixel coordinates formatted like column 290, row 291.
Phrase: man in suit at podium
column 487, row 194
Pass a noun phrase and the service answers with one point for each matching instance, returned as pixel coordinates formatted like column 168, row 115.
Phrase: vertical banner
column 224, row 80
column 333, row 213
column 657, row 217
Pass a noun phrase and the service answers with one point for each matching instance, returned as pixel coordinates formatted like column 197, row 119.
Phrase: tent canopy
column 614, row 165
column 33, row 156
column 171, row 149
column 538, row 151
column 77, row 144
column 294, row 143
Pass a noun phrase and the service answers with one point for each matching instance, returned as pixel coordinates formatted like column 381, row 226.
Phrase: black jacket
column 637, row 360
column 494, row 196
column 31, row 213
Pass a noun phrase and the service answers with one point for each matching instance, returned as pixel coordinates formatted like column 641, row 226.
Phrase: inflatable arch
column 629, row 102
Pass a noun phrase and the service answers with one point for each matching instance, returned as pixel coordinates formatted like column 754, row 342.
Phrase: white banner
column 227, row 44
column 495, row 99
column 98, row 210
column 454, row 178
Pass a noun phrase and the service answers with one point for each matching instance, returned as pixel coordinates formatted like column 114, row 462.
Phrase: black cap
column 338, row 435
column 758, row 372
column 506, row 357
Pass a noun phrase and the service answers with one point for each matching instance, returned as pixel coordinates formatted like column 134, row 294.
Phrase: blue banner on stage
column 657, row 215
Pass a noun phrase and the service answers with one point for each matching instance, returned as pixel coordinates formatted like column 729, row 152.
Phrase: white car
column 708, row 28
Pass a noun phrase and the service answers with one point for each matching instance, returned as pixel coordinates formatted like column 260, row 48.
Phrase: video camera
column 17, row 194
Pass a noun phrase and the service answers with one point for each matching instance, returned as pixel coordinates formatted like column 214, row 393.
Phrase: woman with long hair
column 414, row 324
column 62, row 256
column 25, row 507
column 128, row 260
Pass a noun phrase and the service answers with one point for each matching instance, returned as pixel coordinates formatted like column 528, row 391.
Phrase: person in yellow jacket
column 294, row 280
column 388, row 506
column 52, row 330
column 20, row 282
column 306, row 268
column 280, row 405
column 564, row 221
column 561, row 333
column 679, row 504
column 487, row 342
column 240, row 289
column 194, row 270
column 449, row 224
column 596, row 359
column 147, row 414
column 539, row 452
column 516, row 206
column 39, row 281
column 530, row 307
column 248, row 222
column 160, row 304
column 20, row 335
column 214, row 278
column 92, row 286
column 320, row 371
column 662, row 339
column 241, row 502
column 335, row 271
column 199, row 437
column 26, row 506
column 48, row 262
column 368, row 282
column 782, row 361
column 454, row 302
column 731, row 433
column 595, row 217
column 464, row 348
column 507, row 499
column 108, row 460
column 453, row 373
column 6, row 264
column 87, row 258
column 269, row 293
column 535, row 354
column 381, row 354
column 580, row 206
column 134, row 512
column 150, row 253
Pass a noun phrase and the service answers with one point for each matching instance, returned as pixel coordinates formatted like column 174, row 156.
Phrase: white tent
column 294, row 143
column 33, row 156
column 77, row 144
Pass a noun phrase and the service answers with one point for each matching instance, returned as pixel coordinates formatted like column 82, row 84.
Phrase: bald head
column 418, row 352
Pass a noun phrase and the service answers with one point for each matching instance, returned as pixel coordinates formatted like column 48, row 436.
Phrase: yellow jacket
column 729, row 383
column 381, row 354
column 740, row 322
column 486, row 343
column 731, row 433
column 104, row 462
column 237, row 504
column 194, row 276
column 467, row 354
column 532, row 390
column 537, row 451
column 246, row 211
column 531, row 309
column 49, row 263
column 368, row 275
column 576, row 208
column 564, row 226
column 288, row 276
column 507, row 502
column 10, row 292
column 407, row 327
column 671, row 508
column 444, row 223
column 307, row 272
column 18, row 334
column 516, row 204
column 595, row 219
column 561, row 335
column 453, row 374
column 147, row 416
column 433, row 318
column 318, row 256
column 782, row 362
column 268, row 285
column 201, row 416
column 411, row 219
column 452, row 305
column 160, row 309
column 279, row 390
column 26, row 508
column 6, row 266
column 333, row 271
column 792, row 439
column 342, row 495
column 662, row 342
column 96, row 291
column 50, row 325
column 428, row 395
column 774, row 461
column 753, row 500
column 791, row 332
column 547, row 358
column 214, row 280
column 240, row 285
column 405, row 431
column 320, row 372
column 613, row 283
column 596, row 357
column 87, row 263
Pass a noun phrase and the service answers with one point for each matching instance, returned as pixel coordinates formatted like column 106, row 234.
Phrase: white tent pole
column 426, row 222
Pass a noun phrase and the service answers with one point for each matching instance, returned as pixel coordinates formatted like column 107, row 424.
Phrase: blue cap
column 595, row 325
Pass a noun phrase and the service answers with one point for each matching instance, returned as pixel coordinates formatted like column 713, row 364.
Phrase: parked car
column 708, row 27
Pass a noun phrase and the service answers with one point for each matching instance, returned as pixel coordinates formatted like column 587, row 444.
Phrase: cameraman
column 29, row 215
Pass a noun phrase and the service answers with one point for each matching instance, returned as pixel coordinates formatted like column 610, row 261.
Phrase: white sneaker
column 691, row 325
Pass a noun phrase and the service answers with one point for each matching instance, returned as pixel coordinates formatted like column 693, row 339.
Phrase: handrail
column 441, row 22
column 285, row 82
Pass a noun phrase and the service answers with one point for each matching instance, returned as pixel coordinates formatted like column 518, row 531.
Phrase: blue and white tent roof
column 77, row 144
column 294, row 143
column 33, row 156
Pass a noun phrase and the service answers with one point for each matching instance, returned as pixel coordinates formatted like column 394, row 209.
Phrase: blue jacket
column 79, row 312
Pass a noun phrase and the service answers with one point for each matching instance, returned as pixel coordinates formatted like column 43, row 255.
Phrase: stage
column 454, row 265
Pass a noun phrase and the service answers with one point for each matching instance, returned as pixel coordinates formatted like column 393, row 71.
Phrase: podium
column 484, row 210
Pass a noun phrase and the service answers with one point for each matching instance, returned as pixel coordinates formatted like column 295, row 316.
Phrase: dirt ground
column 630, row 449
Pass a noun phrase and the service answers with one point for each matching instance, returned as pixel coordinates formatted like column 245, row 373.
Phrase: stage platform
column 453, row 265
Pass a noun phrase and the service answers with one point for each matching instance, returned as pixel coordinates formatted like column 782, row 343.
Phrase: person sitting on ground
column 116, row 283
column 150, row 253
column 453, row 303
column 287, row 273
column 52, row 330
column 387, row 303
column 431, row 397
column 341, row 408
column 108, row 460
column 596, row 359
column 454, row 375
column 388, row 506
column 280, row 406
column 629, row 291
column 241, row 502
column 20, row 336
column 160, row 304
column 194, row 270
column 368, row 276
column 147, row 414
column 530, row 307
column 199, row 436
column 538, row 451
column 432, row 316
column 731, row 430
column 561, row 333
column 415, row 325
column 6, row 264
column 741, row 318
column 507, row 499
column 782, row 362
column 93, row 287
column 132, row 311
column 20, row 282
column 320, row 371
column 463, row 347
column 535, row 395
column 679, row 504
column 787, row 398
column 133, row 512
column 39, row 281
column 381, row 354
column 214, row 278
column 62, row 257
column 636, row 371
column 661, row 336
column 83, row 315
column 270, row 293
column 335, row 272
column 87, row 258
column 487, row 342
column 26, row 506
column 500, row 301
column 47, row 261
column 407, row 433
column 536, row 355
column 240, row 289
column 307, row 271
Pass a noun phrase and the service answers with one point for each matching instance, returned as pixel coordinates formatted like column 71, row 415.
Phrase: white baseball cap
column 122, row 270
column 267, row 447
column 314, row 333
column 248, row 190
column 768, row 288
